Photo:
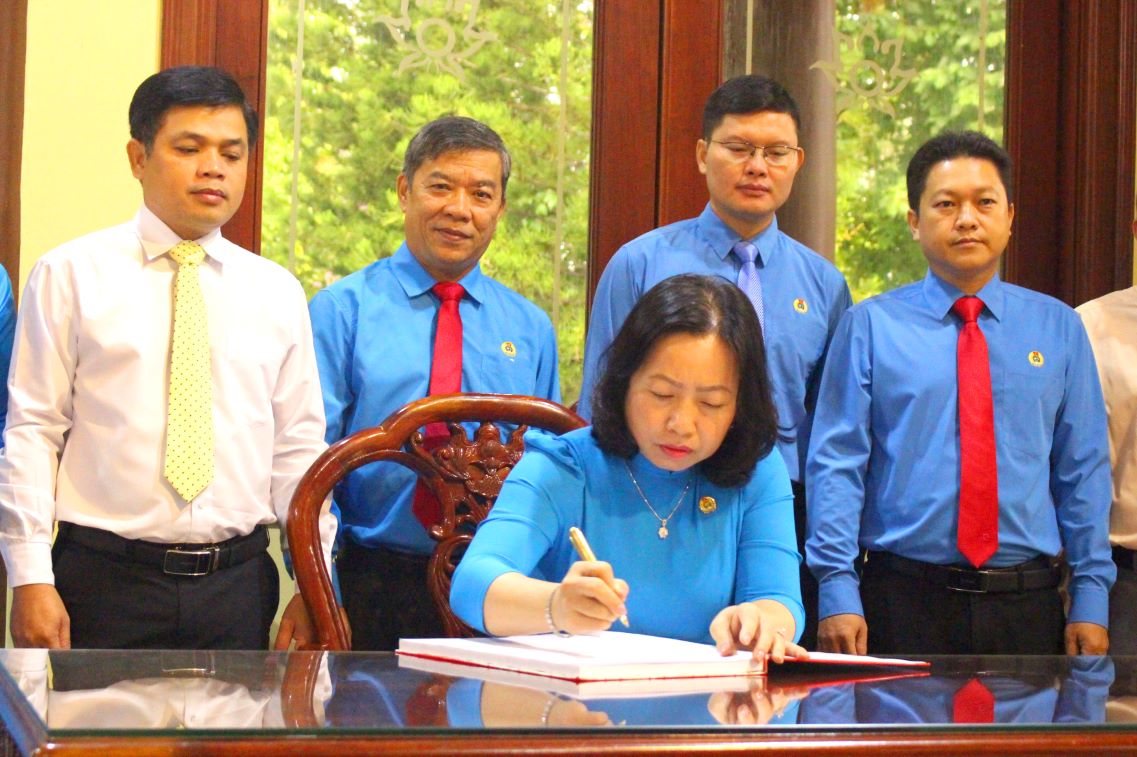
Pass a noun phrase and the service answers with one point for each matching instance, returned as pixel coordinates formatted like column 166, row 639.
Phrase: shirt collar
column 941, row 295
column 722, row 238
column 415, row 280
column 157, row 238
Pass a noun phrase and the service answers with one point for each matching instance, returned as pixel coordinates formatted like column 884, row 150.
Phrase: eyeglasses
column 775, row 155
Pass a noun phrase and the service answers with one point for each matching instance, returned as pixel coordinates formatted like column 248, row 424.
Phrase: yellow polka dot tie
column 189, row 420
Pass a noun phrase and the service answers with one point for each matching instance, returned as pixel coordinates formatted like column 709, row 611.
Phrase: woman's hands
column 761, row 704
column 589, row 598
column 765, row 627
column 516, row 707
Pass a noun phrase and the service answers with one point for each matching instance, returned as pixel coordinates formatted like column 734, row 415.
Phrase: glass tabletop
column 161, row 692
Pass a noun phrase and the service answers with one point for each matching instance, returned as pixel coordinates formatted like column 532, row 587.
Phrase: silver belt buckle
column 968, row 582
column 207, row 560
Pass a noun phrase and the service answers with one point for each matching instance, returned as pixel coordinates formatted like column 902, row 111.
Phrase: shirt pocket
column 248, row 378
column 503, row 374
column 1029, row 407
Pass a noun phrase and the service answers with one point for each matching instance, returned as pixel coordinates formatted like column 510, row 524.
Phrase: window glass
column 904, row 72
column 349, row 82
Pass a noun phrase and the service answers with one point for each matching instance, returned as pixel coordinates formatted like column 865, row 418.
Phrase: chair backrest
column 465, row 474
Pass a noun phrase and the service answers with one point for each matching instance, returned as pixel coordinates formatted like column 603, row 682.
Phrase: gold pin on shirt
column 707, row 505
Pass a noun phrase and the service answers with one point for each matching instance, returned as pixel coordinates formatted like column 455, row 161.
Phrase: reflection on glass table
column 974, row 691
column 128, row 692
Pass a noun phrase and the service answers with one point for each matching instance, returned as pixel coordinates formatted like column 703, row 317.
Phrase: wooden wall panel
column 654, row 63
column 691, row 68
column 14, row 30
column 1032, row 88
column 625, row 127
column 233, row 35
column 1070, row 127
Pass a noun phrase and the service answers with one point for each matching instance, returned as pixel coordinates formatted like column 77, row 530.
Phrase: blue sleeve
column 521, row 529
column 618, row 291
column 464, row 703
column 1081, row 486
column 842, row 301
column 838, row 460
column 830, row 705
column 768, row 562
column 7, row 332
column 1085, row 690
column 333, row 330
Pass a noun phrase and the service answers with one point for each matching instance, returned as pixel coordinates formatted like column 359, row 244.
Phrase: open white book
column 608, row 689
column 608, row 656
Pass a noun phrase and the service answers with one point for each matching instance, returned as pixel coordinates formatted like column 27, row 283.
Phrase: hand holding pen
column 590, row 597
column 582, row 547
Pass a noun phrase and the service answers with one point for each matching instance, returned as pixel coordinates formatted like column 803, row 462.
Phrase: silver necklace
column 663, row 532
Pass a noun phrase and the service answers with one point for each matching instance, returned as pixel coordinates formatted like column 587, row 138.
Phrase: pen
column 580, row 544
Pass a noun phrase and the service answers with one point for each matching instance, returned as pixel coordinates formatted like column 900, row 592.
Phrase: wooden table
column 303, row 703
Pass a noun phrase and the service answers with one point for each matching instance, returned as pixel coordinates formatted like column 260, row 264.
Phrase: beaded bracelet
column 549, row 615
column 549, row 705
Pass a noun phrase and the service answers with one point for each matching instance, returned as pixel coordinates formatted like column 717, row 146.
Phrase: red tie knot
column 448, row 291
column 968, row 308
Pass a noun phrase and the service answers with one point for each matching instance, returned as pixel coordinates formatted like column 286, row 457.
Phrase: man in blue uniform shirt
column 750, row 155
column 886, row 473
column 375, row 345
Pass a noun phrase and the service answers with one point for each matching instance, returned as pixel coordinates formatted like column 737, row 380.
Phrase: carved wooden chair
column 465, row 474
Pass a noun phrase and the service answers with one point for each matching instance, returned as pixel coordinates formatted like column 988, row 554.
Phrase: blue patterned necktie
column 748, row 280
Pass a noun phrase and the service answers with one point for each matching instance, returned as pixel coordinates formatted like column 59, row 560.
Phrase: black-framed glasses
column 774, row 155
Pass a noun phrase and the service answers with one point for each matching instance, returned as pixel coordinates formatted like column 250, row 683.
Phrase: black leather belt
column 1125, row 558
column 171, row 559
column 1039, row 573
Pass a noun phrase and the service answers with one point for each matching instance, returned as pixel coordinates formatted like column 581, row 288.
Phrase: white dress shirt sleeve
column 39, row 417
column 298, row 415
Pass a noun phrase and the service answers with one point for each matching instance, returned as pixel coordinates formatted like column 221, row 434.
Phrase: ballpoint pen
column 580, row 544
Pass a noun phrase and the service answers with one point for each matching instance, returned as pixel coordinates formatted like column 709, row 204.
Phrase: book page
column 616, row 647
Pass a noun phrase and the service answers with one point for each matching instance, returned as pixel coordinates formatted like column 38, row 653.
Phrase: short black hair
column 696, row 305
column 182, row 86
column 747, row 94
column 454, row 134
column 955, row 144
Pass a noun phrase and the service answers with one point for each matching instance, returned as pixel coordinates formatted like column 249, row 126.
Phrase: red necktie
column 445, row 378
column 978, row 475
column 974, row 703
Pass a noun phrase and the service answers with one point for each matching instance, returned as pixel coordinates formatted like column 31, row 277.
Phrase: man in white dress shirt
column 140, row 561
column 1111, row 322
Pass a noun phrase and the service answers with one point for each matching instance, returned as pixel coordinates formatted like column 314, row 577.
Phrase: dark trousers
column 808, row 582
column 911, row 615
column 115, row 603
column 386, row 597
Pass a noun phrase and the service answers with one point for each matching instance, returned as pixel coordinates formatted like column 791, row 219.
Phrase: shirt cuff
column 1089, row 604
column 838, row 596
column 28, row 562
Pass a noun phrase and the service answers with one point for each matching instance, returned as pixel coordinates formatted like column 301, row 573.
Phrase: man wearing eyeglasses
column 750, row 154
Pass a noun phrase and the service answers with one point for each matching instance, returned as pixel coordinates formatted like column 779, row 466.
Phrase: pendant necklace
column 663, row 532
